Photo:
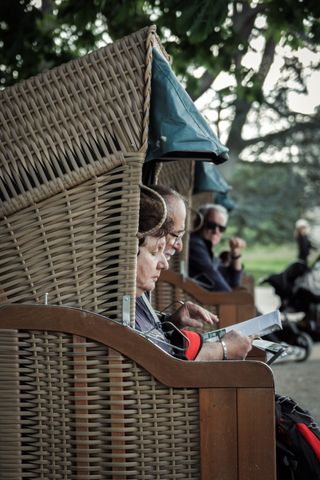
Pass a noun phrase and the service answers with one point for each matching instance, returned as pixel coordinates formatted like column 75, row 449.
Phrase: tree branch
column 205, row 83
column 242, row 106
column 266, row 60
column 271, row 137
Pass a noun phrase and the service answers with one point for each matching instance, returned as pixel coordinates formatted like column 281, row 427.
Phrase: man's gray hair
column 208, row 207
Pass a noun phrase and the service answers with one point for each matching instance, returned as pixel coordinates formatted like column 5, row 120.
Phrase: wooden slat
column 218, row 434
column 256, row 420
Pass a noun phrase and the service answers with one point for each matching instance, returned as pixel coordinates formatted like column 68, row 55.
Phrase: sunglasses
column 215, row 226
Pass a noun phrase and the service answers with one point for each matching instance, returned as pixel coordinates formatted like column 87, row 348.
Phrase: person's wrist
column 236, row 257
column 224, row 350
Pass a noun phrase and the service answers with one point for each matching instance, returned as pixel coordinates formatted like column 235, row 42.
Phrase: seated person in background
column 301, row 234
column 151, row 260
column 203, row 266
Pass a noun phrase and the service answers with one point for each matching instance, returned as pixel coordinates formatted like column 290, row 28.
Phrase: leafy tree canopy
column 206, row 38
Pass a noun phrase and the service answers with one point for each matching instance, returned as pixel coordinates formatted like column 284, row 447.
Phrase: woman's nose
column 163, row 263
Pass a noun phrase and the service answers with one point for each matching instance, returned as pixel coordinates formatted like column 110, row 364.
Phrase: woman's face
column 150, row 261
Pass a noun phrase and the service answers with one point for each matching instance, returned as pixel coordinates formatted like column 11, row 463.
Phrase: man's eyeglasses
column 215, row 226
column 176, row 236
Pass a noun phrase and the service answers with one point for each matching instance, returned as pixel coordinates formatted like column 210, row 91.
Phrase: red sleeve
column 195, row 344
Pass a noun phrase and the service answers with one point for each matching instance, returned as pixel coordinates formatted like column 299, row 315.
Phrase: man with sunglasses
column 204, row 267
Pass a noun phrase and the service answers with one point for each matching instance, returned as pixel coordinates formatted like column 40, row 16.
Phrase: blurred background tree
column 268, row 197
column 241, row 61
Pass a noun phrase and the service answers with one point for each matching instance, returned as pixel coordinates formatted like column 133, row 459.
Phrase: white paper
column 257, row 326
column 273, row 350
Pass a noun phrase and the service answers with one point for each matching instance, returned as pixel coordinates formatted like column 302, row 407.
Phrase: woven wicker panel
column 75, row 114
column 75, row 410
column 75, row 241
column 179, row 175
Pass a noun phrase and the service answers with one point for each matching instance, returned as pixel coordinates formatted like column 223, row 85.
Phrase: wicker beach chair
column 83, row 396
column 73, row 142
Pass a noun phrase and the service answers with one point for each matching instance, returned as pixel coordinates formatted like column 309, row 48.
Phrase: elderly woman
column 153, row 229
column 154, row 226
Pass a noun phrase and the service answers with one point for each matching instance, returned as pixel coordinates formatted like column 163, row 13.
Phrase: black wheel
column 311, row 327
column 304, row 341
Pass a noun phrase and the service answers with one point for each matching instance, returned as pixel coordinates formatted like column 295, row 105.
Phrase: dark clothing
column 206, row 269
column 183, row 344
column 146, row 320
column 304, row 247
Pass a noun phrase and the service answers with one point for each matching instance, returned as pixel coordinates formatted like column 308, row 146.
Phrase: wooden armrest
column 239, row 297
column 232, row 307
column 168, row 370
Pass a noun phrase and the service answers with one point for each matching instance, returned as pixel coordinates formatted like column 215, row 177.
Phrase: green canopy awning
column 207, row 178
column 225, row 200
column 177, row 129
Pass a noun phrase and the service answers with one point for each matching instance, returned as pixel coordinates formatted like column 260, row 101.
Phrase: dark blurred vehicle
column 298, row 288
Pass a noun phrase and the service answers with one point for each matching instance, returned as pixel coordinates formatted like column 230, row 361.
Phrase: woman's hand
column 192, row 315
column 238, row 345
column 237, row 348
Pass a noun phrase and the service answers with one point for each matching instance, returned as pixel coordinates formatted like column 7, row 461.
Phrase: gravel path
column 299, row 380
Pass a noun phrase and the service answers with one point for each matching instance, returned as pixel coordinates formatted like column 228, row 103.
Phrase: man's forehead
column 178, row 215
column 215, row 215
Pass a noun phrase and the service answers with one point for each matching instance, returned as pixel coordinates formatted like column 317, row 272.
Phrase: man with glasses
column 189, row 314
column 204, row 267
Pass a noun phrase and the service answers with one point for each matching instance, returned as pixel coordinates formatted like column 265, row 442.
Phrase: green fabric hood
column 177, row 129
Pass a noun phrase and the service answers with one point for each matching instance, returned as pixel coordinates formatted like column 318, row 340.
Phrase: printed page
column 256, row 327
column 273, row 350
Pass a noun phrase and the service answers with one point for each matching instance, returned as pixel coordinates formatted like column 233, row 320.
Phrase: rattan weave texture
column 76, row 114
column 79, row 398
column 72, row 145
column 78, row 244
column 179, row 175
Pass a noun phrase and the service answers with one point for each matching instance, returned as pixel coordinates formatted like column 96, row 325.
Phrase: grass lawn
column 261, row 261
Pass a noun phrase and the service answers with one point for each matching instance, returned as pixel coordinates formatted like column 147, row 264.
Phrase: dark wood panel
column 256, row 434
column 218, row 434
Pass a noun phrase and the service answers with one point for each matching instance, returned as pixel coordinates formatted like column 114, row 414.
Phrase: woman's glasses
column 215, row 226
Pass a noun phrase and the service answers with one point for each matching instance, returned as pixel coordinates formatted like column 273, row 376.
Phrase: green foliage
column 197, row 29
column 215, row 36
column 269, row 198
column 197, row 19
